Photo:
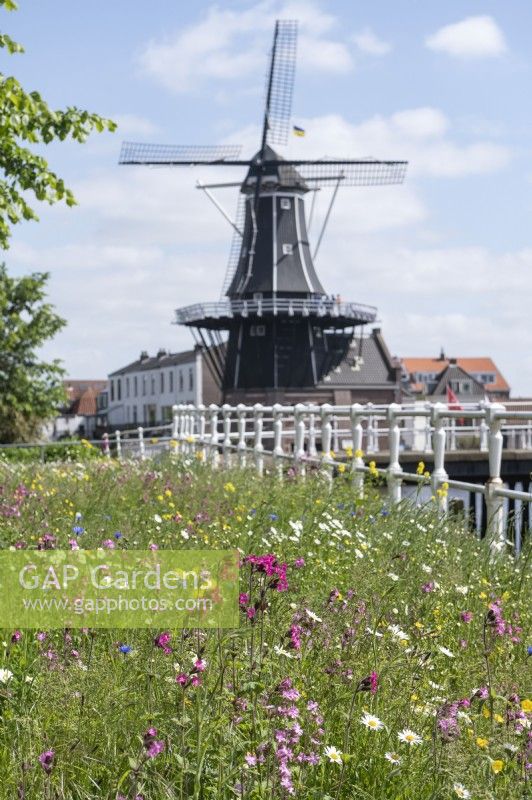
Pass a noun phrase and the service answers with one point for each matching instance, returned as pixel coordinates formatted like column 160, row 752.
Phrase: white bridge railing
column 336, row 438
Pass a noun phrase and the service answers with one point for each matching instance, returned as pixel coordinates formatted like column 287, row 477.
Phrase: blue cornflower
column 273, row 517
column 385, row 512
column 77, row 529
column 117, row 535
column 253, row 511
column 125, row 648
column 529, row 649
column 340, row 505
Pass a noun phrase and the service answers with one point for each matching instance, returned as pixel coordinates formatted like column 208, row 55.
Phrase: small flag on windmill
column 298, row 131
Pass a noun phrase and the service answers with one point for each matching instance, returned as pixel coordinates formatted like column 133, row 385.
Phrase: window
column 135, row 386
column 127, row 388
column 135, row 412
column 257, row 330
column 153, row 384
column 257, row 296
column 287, row 249
column 144, row 385
column 112, row 391
column 162, row 382
column 171, row 381
column 190, row 379
column 119, row 389
column 180, row 381
column 285, row 203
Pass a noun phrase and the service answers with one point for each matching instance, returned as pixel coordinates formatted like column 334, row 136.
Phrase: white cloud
column 473, row 37
column 227, row 45
column 134, row 125
column 368, row 42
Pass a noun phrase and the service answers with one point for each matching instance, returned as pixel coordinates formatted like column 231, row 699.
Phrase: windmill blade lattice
column 176, row 155
column 361, row 172
column 282, row 72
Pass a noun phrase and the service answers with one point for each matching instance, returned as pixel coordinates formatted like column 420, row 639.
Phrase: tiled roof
column 470, row 365
column 156, row 362
column 456, row 373
column 82, row 396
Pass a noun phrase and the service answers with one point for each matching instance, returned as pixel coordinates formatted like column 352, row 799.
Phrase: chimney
column 452, row 362
column 144, row 355
column 442, row 354
column 161, row 352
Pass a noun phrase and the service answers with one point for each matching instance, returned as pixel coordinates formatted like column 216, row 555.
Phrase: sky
column 446, row 257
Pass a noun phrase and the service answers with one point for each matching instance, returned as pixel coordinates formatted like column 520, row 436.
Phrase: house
column 143, row 392
column 470, row 379
column 80, row 416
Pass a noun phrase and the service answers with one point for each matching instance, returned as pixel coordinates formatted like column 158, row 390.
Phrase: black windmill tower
column 283, row 331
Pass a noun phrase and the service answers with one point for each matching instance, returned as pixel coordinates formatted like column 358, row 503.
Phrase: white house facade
column 144, row 392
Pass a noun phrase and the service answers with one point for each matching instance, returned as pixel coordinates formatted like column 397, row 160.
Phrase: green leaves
column 26, row 118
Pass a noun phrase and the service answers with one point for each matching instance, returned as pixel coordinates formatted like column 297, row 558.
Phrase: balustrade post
column 299, row 437
column 370, row 431
column 175, row 423
column 106, row 448
column 213, row 445
column 118, row 445
column 357, row 464
column 326, row 439
column 494, row 503
column 226, row 412
column 452, row 434
column 241, row 427
column 394, row 471
column 428, row 430
column 336, row 441
column 278, row 451
column 439, row 475
column 312, row 449
column 142, row 448
column 258, row 447
column 201, row 413
column 484, row 429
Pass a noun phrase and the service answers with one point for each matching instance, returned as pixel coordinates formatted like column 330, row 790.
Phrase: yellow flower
column 349, row 452
column 359, row 454
column 526, row 705
column 483, row 596
column 341, row 467
column 420, row 468
column 426, row 474
column 482, row 742
column 498, row 718
column 497, row 766
column 331, row 453
column 486, row 712
column 154, row 440
column 174, row 443
column 229, row 487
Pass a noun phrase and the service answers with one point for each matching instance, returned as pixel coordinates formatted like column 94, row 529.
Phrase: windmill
column 283, row 332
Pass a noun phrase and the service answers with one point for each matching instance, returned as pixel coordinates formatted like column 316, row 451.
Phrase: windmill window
column 257, row 330
column 285, row 203
column 287, row 249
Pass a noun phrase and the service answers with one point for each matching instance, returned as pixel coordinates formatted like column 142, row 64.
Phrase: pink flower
column 200, row 664
column 466, row 616
column 182, row 679
column 46, row 760
column 109, row 544
column 162, row 640
column 153, row 546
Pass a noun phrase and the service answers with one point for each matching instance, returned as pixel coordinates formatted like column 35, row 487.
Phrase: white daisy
column 371, row 721
column 333, row 755
column 409, row 737
column 445, row 652
column 460, row 790
column 5, row 675
column 393, row 758
column 311, row 615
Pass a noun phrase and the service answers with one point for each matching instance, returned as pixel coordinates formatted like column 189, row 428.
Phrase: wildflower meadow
column 380, row 654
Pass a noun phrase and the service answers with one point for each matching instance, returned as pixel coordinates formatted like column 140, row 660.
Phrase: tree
column 30, row 390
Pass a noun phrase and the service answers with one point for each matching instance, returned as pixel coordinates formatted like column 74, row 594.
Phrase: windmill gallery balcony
column 340, row 314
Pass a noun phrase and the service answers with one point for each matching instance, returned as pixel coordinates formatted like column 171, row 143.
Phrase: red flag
column 452, row 400
column 453, row 404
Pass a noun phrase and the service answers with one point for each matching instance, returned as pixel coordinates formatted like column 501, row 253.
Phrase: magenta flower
column 46, row 760
column 466, row 616
column 162, row 640
column 152, row 745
